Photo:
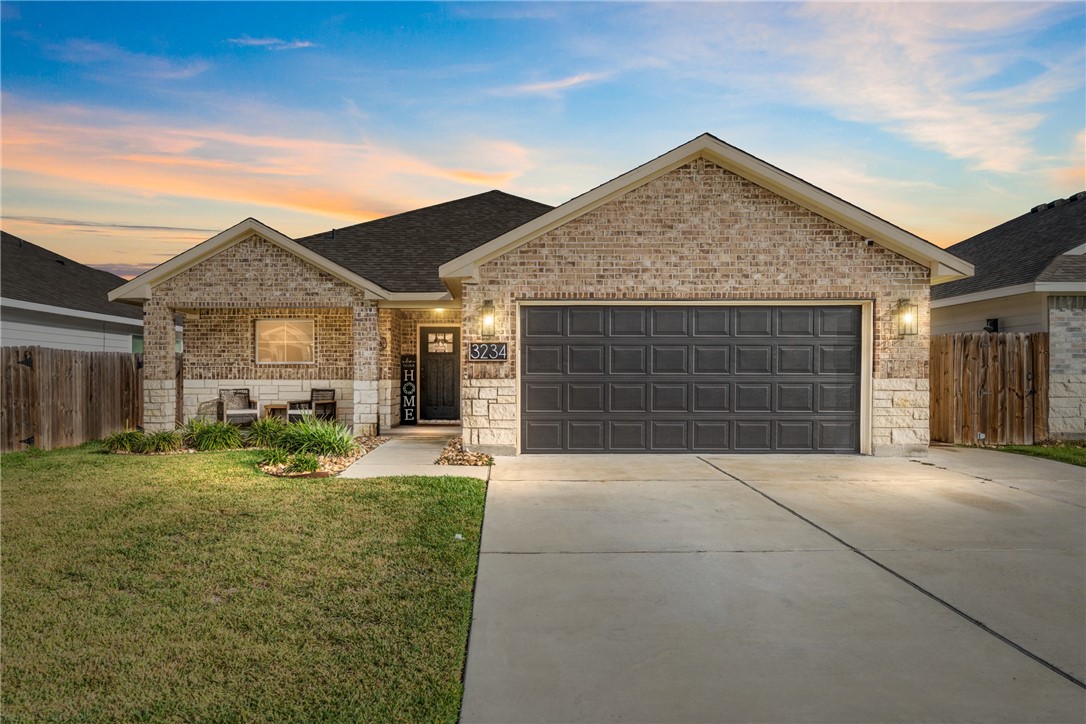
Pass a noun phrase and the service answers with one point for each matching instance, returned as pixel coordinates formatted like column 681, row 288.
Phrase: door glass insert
column 439, row 342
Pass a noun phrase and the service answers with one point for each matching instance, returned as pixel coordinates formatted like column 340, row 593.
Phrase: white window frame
column 294, row 320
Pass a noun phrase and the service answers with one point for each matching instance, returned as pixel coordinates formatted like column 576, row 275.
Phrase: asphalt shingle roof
column 1023, row 250
column 31, row 273
column 402, row 253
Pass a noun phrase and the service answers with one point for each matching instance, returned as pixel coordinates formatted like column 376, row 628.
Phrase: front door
column 439, row 377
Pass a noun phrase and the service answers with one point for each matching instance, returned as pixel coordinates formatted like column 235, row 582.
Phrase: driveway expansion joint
column 976, row 622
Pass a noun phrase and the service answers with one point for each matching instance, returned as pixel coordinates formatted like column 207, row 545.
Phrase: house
column 705, row 301
column 48, row 300
column 1030, row 277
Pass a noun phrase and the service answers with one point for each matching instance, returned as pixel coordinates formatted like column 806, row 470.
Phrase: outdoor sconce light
column 908, row 315
column 487, row 319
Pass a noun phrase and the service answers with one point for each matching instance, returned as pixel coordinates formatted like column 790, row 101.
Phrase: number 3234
column 488, row 351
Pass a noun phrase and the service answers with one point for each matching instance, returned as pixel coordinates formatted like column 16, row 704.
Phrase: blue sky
column 132, row 131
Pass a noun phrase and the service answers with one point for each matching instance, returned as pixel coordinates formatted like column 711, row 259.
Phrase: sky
column 133, row 131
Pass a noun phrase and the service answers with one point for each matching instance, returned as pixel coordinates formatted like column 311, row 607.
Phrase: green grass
column 192, row 587
column 1065, row 453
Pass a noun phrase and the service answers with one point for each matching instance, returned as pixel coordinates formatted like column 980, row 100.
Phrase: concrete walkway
column 780, row 589
column 412, row 451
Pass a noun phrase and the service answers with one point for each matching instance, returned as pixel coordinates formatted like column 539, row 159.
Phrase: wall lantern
column 487, row 319
column 908, row 322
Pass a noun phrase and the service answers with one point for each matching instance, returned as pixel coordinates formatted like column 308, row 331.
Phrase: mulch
column 330, row 464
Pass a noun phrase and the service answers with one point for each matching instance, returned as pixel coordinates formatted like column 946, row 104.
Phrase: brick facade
column 1067, row 367
column 222, row 296
column 703, row 233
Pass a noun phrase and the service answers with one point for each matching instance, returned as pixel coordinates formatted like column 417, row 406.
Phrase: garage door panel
column 839, row 322
column 587, row 322
column 753, row 435
column 711, row 360
column 668, row 435
column 628, row 360
column 586, row 436
column 669, row 360
column 670, row 322
column 543, row 436
column 712, row 321
column 585, row 397
column 542, row 397
column 795, row 359
column 711, row 397
column 702, row 378
column 628, row 397
column 629, row 322
column 542, row 360
column 839, row 359
column 795, row 397
column 669, row 397
column 712, row 435
column 753, row 397
column 753, row 360
column 629, row 435
column 544, row 322
column 795, row 322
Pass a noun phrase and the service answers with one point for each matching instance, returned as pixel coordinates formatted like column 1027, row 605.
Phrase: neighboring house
column 1030, row 277
column 703, row 302
column 49, row 300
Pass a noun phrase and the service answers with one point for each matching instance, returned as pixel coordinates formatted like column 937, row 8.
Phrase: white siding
column 26, row 328
column 1019, row 313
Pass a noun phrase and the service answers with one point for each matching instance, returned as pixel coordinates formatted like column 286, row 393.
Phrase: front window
column 284, row 341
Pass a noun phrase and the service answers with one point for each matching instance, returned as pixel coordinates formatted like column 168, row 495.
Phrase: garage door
column 690, row 379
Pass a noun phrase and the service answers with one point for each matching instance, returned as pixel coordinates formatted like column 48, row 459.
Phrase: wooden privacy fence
column 57, row 397
column 989, row 389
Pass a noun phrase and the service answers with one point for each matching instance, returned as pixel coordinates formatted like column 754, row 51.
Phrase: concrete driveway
column 780, row 589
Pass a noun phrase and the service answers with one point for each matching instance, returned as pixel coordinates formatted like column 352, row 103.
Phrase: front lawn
column 1073, row 453
column 193, row 587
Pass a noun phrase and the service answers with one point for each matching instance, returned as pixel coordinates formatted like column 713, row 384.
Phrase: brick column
column 366, row 346
column 159, row 370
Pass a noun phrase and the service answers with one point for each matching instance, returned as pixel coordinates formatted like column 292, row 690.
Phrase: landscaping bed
column 193, row 587
column 455, row 454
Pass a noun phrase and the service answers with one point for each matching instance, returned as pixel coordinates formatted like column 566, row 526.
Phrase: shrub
column 265, row 432
column 319, row 437
column 207, row 436
column 303, row 463
column 162, row 441
column 275, row 456
column 125, row 441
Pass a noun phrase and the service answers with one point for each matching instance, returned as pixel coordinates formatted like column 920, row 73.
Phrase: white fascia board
column 1030, row 288
column 1077, row 251
column 67, row 312
column 742, row 164
column 139, row 289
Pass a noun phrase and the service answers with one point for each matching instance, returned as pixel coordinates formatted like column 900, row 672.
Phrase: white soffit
column 944, row 265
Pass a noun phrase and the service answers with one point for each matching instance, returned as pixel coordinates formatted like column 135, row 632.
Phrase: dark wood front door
column 439, row 360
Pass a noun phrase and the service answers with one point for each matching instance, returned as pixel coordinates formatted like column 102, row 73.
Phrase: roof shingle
column 402, row 253
column 31, row 273
column 1022, row 249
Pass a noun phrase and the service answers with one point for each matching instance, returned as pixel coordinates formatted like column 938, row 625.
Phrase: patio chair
column 236, row 407
column 321, row 403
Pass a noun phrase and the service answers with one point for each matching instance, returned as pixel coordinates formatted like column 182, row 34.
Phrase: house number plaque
column 488, row 352
column 409, row 387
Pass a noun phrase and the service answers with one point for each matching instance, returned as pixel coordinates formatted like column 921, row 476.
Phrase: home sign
column 488, row 352
column 408, row 390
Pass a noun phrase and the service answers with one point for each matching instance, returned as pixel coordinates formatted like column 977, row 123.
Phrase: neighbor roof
column 402, row 253
column 30, row 273
column 1024, row 250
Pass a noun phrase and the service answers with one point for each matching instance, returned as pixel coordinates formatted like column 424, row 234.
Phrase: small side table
column 276, row 409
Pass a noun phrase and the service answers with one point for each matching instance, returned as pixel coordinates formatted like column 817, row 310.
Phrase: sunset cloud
column 551, row 88
column 110, row 57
